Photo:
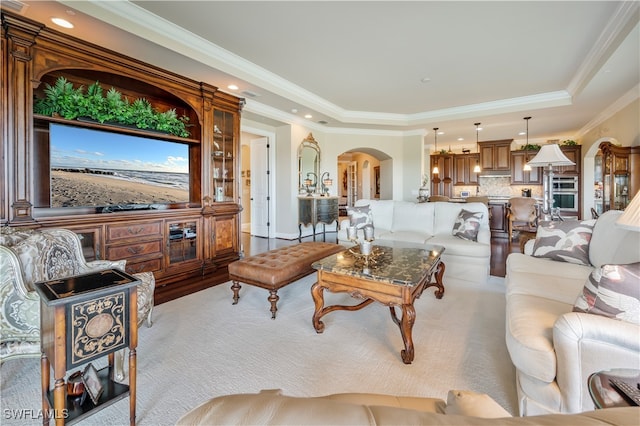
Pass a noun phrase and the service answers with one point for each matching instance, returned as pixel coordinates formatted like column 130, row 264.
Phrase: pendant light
column 435, row 136
column 527, row 167
column 477, row 169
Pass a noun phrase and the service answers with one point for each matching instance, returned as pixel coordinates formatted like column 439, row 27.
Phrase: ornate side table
column 83, row 318
column 604, row 394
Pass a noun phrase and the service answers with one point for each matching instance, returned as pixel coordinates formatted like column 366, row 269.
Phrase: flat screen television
column 114, row 171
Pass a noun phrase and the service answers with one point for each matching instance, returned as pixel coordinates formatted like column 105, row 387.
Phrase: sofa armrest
column 587, row 343
column 344, row 224
column 98, row 265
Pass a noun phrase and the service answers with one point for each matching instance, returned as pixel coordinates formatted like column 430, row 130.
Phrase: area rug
column 202, row 346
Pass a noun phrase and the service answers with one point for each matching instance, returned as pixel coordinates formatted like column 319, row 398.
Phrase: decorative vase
column 423, row 192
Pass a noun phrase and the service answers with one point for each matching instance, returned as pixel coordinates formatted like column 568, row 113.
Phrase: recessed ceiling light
column 62, row 22
column 425, row 79
column 460, row 139
column 232, row 87
column 294, row 110
column 441, row 132
column 522, row 133
column 308, row 116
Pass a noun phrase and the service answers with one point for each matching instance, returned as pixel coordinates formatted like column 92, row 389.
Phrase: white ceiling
column 360, row 65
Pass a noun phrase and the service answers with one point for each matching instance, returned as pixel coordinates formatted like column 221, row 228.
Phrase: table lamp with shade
column 630, row 218
column 549, row 156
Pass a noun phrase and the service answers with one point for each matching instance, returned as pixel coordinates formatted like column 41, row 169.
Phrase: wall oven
column 566, row 201
column 566, row 193
column 565, row 184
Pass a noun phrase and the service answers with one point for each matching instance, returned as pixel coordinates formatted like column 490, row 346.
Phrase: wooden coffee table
column 397, row 276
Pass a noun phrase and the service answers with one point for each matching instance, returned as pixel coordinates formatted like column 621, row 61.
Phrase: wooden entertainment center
column 186, row 245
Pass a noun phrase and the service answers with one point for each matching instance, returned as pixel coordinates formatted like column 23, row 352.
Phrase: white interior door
column 352, row 183
column 260, row 187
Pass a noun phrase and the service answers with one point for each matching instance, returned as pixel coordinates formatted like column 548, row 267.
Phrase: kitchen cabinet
column 463, row 169
column 498, row 223
column 495, row 156
column 518, row 175
column 442, row 183
column 573, row 153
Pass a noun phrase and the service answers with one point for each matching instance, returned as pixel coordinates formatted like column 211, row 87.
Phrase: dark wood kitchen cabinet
column 573, row 153
column 463, row 169
column 442, row 183
column 519, row 176
column 498, row 219
column 495, row 156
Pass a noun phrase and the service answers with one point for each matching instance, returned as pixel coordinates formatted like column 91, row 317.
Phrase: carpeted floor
column 202, row 346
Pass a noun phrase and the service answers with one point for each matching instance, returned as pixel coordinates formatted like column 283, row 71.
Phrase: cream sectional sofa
column 432, row 223
column 554, row 349
column 461, row 408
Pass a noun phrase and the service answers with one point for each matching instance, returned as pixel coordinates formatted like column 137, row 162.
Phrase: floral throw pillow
column 612, row 291
column 566, row 241
column 359, row 216
column 467, row 225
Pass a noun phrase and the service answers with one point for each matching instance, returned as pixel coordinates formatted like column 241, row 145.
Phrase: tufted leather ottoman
column 275, row 269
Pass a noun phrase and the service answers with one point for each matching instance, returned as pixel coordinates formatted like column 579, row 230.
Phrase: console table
column 82, row 318
column 314, row 210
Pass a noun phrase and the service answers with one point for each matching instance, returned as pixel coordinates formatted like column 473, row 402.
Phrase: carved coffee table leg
column 318, row 299
column 406, row 327
column 236, row 291
column 273, row 298
column 439, row 274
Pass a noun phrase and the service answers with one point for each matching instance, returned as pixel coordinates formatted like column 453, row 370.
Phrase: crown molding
column 133, row 19
column 629, row 97
column 622, row 22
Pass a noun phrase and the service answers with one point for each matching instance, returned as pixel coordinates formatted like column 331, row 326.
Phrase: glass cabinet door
column 182, row 241
column 223, row 156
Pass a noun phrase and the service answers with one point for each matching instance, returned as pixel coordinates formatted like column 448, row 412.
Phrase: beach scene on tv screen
column 95, row 168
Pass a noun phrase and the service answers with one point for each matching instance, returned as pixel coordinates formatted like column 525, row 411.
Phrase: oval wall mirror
column 308, row 165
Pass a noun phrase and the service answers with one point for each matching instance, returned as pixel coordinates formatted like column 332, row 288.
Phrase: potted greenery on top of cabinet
column 107, row 108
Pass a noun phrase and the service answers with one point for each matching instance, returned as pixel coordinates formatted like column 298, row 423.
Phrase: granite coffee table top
column 395, row 263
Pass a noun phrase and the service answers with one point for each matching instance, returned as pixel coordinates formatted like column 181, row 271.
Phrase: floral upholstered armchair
column 28, row 256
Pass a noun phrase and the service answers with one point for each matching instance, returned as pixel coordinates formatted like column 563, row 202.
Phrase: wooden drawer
column 133, row 250
column 133, row 230
column 151, row 265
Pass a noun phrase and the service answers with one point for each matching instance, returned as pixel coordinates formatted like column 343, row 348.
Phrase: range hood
column 495, row 175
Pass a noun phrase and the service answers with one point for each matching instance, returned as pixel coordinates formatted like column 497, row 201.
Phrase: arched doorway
column 364, row 173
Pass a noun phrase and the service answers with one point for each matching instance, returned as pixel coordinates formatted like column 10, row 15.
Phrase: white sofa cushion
column 447, row 213
column 611, row 244
column 545, row 278
column 403, row 236
column 413, row 217
column 455, row 246
column 530, row 321
column 382, row 214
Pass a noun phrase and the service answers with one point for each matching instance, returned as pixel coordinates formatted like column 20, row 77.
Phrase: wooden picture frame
column 376, row 175
column 92, row 383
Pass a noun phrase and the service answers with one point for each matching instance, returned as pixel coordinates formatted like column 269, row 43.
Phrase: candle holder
column 364, row 251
